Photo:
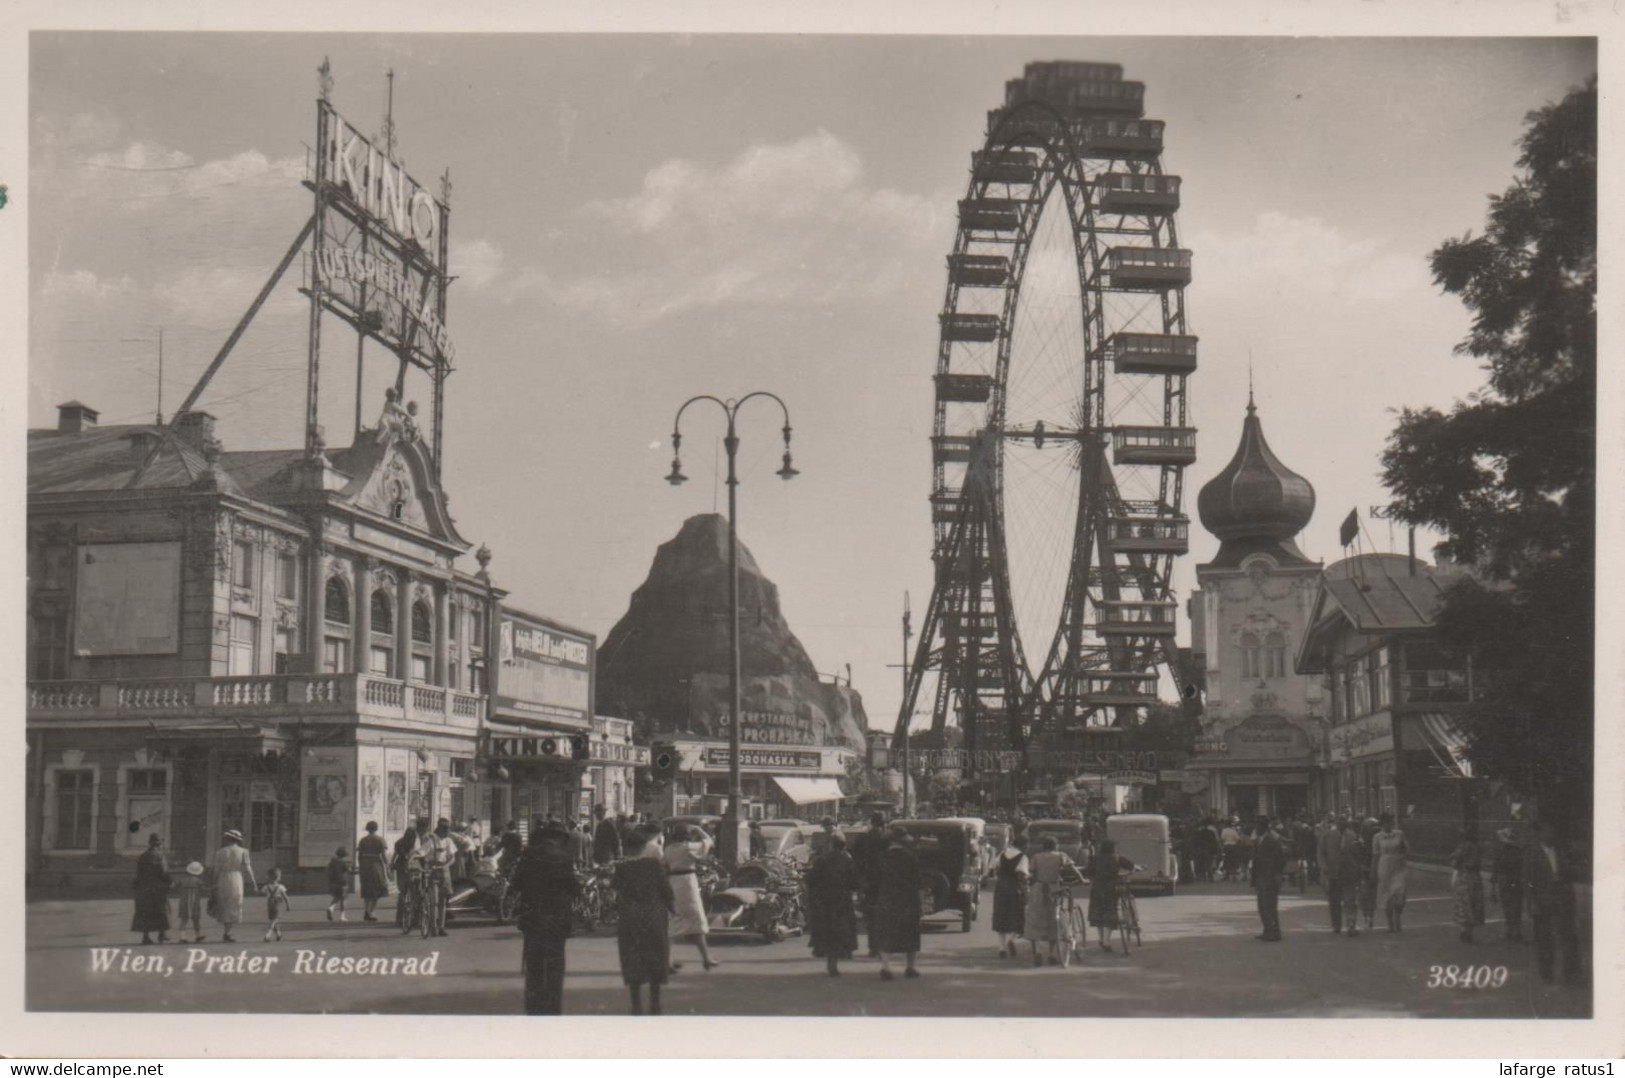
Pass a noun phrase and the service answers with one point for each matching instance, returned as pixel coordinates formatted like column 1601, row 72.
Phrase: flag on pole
column 1350, row 528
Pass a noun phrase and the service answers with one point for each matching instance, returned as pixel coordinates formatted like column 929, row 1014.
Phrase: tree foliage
column 1509, row 475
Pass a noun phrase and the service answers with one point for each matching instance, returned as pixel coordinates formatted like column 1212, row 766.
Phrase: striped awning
column 1447, row 744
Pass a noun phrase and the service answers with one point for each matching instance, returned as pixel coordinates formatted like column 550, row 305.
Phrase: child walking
column 276, row 900
column 189, row 891
column 339, row 872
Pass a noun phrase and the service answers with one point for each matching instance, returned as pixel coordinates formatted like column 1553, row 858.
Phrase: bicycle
column 1069, row 917
column 1128, row 918
column 411, row 901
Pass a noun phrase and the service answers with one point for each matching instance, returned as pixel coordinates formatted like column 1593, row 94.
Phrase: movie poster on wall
column 327, row 790
column 369, row 768
column 395, row 790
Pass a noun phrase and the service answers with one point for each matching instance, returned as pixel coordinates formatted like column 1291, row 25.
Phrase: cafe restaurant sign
column 766, row 759
column 1368, row 736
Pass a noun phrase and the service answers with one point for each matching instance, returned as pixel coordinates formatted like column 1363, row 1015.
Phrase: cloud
column 83, row 284
column 781, row 223
column 476, row 263
column 1299, row 260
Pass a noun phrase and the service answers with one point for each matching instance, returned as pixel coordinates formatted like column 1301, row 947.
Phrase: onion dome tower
column 1256, row 505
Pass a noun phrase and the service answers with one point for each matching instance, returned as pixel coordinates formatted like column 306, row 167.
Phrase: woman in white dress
column 688, row 916
column 1388, row 850
column 233, row 877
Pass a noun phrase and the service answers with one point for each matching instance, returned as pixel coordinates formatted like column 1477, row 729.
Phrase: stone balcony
column 311, row 697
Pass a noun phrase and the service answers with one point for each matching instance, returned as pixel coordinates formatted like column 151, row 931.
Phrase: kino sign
column 381, row 187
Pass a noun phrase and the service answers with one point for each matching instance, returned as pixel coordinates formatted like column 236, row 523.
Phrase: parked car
column 1142, row 837
column 950, row 867
column 1068, row 835
column 675, row 827
column 774, row 830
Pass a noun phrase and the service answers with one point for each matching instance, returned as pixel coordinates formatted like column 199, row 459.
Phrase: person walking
column 1106, row 871
column 1050, row 870
column 152, row 882
column 399, row 864
column 1549, row 873
column 1467, row 884
column 189, row 888
column 1205, row 849
column 437, row 852
column 1506, row 882
column 867, row 855
column 682, row 857
column 896, row 903
column 1230, row 844
column 339, row 872
column 545, row 880
column 233, row 877
column 1269, row 861
column 1011, row 873
column 1340, row 875
column 644, row 904
column 579, row 843
column 1368, row 877
column 1388, row 869
column 276, row 900
column 1306, row 848
column 606, row 839
column 832, row 883
column 372, row 866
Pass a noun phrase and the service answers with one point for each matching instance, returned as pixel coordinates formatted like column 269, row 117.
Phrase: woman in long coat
column 372, row 861
column 151, row 893
column 682, row 859
column 896, row 891
column 233, row 877
column 1467, row 884
column 1010, row 876
column 644, row 904
column 1104, row 872
column 1388, row 849
column 832, row 880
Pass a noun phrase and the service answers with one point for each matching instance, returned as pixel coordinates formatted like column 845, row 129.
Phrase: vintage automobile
column 763, row 897
column 1142, row 837
column 950, row 867
column 1068, row 834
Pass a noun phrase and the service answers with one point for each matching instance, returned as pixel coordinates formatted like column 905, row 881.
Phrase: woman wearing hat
column 151, row 893
column 372, row 861
column 233, row 876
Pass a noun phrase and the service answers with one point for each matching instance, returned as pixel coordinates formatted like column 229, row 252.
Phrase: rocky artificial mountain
column 665, row 664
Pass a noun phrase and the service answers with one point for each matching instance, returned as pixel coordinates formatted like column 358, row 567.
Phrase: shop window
column 335, row 655
column 456, row 814
column 1381, row 680
column 336, row 602
column 461, row 767
column 75, row 804
column 242, row 565
column 1360, row 685
column 287, row 577
column 146, row 806
column 1275, row 655
column 244, row 652
column 383, row 614
column 261, row 826
column 422, row 623
column 1249, row 655
column 233, row 806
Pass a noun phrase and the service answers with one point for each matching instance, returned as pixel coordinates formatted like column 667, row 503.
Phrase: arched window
column 422, row 623
column 383, row 614
column 1249, row 655
column 336, row 602
column 1275, row 655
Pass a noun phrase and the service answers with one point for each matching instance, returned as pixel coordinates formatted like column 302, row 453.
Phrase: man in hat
column 1269, row 860
column 1506, row 881
column 435, row 851
column 606, row 838
column 546, row 881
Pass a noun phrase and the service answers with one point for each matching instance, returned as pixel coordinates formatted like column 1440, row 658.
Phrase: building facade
column 1263, row 727
column 777, row 781
column 1392, row 693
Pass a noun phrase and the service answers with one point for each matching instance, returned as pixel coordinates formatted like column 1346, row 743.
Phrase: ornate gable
column 392, row 476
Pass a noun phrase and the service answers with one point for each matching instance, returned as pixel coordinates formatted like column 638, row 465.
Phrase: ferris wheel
column 1062, row 428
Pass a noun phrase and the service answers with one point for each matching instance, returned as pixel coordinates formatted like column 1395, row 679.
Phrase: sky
column 637, row 219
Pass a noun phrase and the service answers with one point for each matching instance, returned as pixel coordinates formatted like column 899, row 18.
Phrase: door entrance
column 269, row 825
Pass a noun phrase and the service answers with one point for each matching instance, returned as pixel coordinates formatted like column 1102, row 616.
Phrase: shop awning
column 1447, row 744
column 809, row 791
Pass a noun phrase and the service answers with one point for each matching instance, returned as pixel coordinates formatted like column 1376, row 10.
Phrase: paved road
column 1199, row 959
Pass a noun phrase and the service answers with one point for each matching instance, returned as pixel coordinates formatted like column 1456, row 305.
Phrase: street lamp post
column 728, row 846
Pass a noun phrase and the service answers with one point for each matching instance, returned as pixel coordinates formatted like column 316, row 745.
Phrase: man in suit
column 1340, row 871
column 606, row 838
column 580, row 844
column 1549, row 875
column 1269, row 860
column 546, row 881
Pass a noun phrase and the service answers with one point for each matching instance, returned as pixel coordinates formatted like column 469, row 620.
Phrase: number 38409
column 1467, row 976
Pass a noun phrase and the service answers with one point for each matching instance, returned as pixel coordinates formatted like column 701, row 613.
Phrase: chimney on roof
column 195, row 429
column 73, row 417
